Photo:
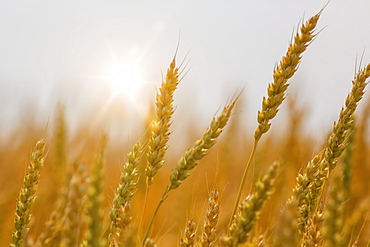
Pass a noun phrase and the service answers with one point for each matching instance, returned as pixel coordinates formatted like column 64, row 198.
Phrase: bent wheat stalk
column 192, row 156
column 277, row 89
column 310, row 184
column 160, row 128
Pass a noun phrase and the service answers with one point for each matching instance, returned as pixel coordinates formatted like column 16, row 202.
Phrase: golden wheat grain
column 282, row 73
column 312, row 237
column 209, row 234
column 277, row 89
column 95, row 200
column 150, row 243
column 200, row 148
column 260, row 242
column 124, row 192
column 335, row 142
column 348, row 160
column 27, row 194
column 128, row 238
column 193, row 155
column 126, row 232
column 250, row 208
column 301, row 191
column 188, row 239
column 160, row 127
column 310, row 184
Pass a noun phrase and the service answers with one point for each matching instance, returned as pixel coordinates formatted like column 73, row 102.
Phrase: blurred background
column 80, row 69
column 104, row 60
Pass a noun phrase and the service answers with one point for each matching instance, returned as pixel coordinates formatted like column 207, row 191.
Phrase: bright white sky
column 79, row 52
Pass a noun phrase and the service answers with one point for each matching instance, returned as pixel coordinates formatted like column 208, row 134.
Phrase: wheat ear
column 282, row 73
column 126, row 230
column 150, row 243
column 250, row 208
column 335, row 144
column 160, row 127
column 192, row 156
column 347, row 164
column 276, row 90
column 312, row 237
column 189, row 234
column 209, row 234
column 95, row 200
column 124, row 193
column 27, row 194
column 310, row 183
column 200, row 148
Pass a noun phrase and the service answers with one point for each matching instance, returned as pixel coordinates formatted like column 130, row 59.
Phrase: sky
column 104, row 60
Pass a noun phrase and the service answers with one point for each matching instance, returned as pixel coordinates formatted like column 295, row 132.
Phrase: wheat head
column 27, row 194
column 124, row 192
column 285, row 70
column 209, row 234
column 160, row 127
column 200, row 147
column 249, row 209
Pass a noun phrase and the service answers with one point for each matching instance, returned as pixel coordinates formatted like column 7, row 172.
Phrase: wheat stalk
column 310, row 183
column 276, row 90
column 193, row 155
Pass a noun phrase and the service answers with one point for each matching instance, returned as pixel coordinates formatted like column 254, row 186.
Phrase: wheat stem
column 277, row 90
column 164, row 196
column 193, row 155
column 241, row 186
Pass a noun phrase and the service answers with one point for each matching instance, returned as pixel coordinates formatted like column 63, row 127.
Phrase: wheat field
column 231, row 187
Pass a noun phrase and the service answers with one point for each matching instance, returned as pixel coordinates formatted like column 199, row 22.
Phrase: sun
column 124, row 78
